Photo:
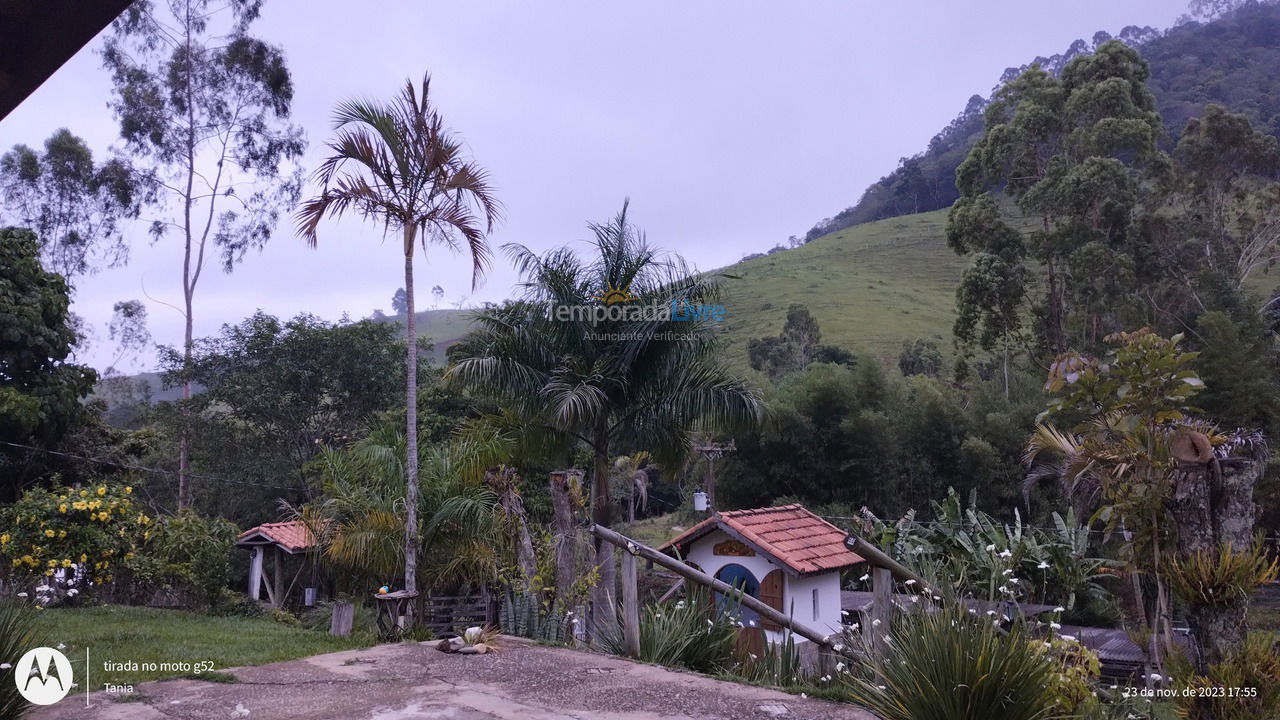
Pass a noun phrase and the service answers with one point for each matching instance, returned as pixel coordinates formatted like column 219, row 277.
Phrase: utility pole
column 712, row 451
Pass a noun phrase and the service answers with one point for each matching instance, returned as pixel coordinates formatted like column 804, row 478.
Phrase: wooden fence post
column 343, row 616
column 630, row 605
column 881, row 607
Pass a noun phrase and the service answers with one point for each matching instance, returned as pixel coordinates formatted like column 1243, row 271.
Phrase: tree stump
column 343, row 617
column 1212, row 504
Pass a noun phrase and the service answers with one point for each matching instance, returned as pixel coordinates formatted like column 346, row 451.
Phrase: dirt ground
column 416, row 682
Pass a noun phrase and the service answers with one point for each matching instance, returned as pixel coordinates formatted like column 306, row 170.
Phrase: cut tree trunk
column 502, row 482
column 566, row 537
column 1213, row 508
column 604, row 616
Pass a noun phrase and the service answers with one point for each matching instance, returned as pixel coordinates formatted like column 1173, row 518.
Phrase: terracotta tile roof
column 790, row 534
column 293, row 536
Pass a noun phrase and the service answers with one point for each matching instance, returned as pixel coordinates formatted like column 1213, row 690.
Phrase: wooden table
column 393, row 610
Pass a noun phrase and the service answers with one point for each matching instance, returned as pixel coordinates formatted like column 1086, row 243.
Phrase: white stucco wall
column 797, row 598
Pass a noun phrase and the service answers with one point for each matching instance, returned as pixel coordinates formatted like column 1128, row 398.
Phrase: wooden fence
column 455, row 613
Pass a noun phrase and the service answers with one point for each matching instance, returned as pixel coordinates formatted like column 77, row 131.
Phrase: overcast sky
column 730, row 125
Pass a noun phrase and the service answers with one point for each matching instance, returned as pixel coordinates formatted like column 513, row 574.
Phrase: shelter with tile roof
column 279, row 540
column 785, row 556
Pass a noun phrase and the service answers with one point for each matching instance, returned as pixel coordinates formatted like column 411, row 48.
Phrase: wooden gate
column 455, row 613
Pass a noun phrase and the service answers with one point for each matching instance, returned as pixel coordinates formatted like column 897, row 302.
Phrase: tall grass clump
column 951, row 665
column 693, row 633
column 18, row 634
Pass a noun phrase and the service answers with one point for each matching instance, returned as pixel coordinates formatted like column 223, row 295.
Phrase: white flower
column 826, row 678
column 1043, row 565
column 910, row 582
column 844, row 612
column 1006, row 554
column 1069, row 638
column 22, row 594
column 991, row 547
column 1048, row 644
column 1059, row 609
column 875, row 623
column 837, row 648
column 882, row 687
column 914, row 598
column 864, row 578
column 839, row 667
column 803, row 695
column 1156, row 676
column 1003, row 589
column 62, row 646
column 1055, row 626
column 991, row 612
column 937, row 597
column 5, row 666
column 854, row 627
column 1008, row 571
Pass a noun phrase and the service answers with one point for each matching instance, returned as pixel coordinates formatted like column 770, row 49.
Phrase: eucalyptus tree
column 203, row 108
column 74, row 204
column 1071, row 152
column 616, row 351
column 396, row 164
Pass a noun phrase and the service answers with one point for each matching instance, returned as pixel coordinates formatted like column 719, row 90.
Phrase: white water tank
column 700, row 501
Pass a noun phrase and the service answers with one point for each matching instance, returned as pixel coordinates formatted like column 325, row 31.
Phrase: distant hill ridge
column 1230, row 61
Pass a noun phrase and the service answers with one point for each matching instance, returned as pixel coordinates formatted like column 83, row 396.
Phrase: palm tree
column 639, row 381
column 396, row 164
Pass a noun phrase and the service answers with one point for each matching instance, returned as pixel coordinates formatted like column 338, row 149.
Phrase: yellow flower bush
column 57, row 528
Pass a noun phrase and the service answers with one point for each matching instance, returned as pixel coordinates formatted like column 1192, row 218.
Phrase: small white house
column 786, row 557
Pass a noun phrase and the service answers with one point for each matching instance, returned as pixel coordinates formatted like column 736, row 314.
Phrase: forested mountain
column 1229, row 61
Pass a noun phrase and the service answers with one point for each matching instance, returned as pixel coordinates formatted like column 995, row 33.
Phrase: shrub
column 950, row 665
column 237, row 604
column 17, row 635
column 192, row 552
column 85, row 532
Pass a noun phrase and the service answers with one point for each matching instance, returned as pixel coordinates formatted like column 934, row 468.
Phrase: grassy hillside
column 443, row 327
column 870, row 287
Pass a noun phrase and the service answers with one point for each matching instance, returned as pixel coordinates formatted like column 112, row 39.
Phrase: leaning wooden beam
column 697, row 576
column 877, row 558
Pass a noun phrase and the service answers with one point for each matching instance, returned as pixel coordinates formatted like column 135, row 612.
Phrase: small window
column 816, row 609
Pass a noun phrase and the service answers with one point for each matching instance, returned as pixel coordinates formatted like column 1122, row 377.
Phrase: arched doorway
column 739, row 578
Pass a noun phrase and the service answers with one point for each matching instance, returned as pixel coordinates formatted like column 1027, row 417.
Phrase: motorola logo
column 43, row 676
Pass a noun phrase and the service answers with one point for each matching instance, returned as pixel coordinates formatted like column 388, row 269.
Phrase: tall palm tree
column 620, row 384
column 396, row 164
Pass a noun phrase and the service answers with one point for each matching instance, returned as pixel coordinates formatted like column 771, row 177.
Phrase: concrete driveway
column 412, row 682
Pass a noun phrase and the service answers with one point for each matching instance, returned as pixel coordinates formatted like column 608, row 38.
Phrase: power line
column 141, row 468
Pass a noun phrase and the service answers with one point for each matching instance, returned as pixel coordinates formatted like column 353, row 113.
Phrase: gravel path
column 415, row 682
